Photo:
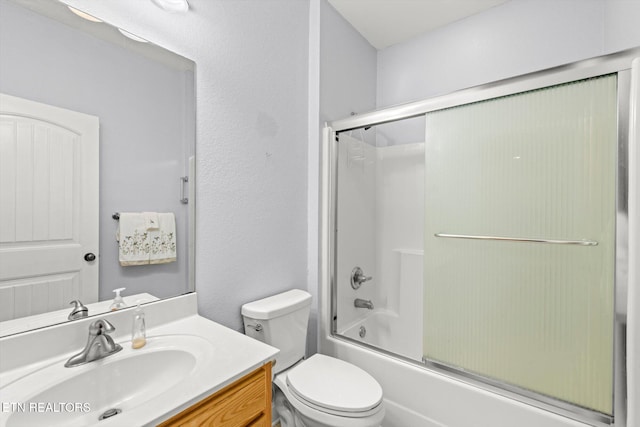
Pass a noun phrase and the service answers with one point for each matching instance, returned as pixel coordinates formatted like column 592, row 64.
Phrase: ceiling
column 387, row 22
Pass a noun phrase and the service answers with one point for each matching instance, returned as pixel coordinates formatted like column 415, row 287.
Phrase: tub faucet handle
column 358, row 278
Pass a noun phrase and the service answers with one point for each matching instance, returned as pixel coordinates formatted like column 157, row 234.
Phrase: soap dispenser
column 138, row 331
column 118, row 302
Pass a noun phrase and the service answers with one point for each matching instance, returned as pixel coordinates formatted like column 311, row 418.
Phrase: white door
column 48, row 207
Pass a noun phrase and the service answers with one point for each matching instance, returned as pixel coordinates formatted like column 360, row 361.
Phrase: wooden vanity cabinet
column 246, row 402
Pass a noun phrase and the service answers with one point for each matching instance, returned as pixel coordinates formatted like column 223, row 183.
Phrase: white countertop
column 231, row 356
column 236, row 356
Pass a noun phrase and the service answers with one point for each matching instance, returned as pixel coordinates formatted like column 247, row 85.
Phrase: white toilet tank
column 280, row 321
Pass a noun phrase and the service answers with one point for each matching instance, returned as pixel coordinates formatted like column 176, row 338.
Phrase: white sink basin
column 186, row 359
column 59, row 396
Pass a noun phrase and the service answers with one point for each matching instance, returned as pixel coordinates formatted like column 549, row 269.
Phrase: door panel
column 49, row 205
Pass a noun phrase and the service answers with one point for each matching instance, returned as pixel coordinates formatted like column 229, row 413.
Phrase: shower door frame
column 618, row 63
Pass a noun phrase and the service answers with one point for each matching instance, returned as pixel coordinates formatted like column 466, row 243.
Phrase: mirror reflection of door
column 48, row 207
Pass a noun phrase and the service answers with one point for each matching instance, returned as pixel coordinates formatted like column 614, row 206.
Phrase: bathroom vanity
column 192, row 371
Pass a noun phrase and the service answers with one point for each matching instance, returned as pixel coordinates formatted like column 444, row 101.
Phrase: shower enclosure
column 483, row 236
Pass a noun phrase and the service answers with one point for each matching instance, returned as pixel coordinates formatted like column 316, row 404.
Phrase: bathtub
column 418, row 397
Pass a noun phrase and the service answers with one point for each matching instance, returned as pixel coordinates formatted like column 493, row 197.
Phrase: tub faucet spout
column 363, row 303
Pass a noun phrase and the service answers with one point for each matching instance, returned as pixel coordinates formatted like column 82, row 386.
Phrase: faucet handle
column 101, row 327
column 358, row 278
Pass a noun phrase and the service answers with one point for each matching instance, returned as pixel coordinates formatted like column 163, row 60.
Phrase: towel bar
column 519, row 239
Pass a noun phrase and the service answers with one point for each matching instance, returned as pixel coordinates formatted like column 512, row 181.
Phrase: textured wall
column 251, row 81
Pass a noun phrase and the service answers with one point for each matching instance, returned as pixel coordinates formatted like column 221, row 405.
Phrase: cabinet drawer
column 247, row 402
column 261, row 421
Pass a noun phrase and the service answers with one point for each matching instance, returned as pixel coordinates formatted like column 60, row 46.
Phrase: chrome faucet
column 99, row 345
column 363, row 303
column 79, row 311
column 358, row 277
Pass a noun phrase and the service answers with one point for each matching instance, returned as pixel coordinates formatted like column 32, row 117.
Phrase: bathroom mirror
column 140, row 100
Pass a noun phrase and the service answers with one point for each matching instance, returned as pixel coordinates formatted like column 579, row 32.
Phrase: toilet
column 320, row 391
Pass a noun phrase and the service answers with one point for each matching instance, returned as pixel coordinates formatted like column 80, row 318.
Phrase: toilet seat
column 334, row 386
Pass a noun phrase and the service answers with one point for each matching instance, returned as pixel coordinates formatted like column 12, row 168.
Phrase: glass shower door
column 379, row 236
column 520, row 238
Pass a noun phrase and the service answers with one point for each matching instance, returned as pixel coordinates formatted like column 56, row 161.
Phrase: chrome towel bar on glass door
column 519, row 239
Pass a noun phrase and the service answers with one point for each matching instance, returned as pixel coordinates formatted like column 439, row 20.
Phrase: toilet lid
column 331, row 383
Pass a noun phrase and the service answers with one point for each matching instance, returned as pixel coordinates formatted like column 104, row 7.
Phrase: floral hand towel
column 146, row 238
column 133, row 239
column 162, row 240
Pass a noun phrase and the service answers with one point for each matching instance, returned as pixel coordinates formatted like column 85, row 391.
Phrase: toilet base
column 294, row 413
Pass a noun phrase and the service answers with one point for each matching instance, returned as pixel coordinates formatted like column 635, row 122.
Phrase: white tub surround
column 229, row 356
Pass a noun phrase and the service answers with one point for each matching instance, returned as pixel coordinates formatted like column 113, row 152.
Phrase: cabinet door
column 247, row 402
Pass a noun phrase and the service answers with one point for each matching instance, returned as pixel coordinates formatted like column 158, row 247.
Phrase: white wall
column 621, row 29
column 251, row 82
column 518, row 37
column 347, row 68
